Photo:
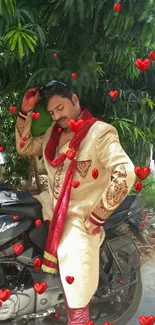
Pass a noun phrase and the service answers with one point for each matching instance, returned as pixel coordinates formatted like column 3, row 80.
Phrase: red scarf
column 57, row 223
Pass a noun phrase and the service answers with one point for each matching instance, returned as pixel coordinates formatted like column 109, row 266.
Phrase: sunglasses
column 51, row 84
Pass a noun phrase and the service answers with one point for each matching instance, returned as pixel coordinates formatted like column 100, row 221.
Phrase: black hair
column 56, row 89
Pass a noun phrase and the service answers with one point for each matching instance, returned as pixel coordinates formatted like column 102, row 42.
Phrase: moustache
column 59, row 121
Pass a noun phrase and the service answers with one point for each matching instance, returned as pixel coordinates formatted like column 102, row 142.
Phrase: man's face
column 61, row 109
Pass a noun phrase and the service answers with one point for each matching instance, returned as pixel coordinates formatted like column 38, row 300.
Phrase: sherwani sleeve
column 32, row 146
column 122, row 176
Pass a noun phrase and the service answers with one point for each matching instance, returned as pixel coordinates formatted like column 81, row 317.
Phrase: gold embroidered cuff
column 96, row 221
column 20, row 124
column 98, row 211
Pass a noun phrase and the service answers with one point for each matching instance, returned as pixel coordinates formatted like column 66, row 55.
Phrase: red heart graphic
column 15, row 218
column 57, row 316
column 37, row 263
column 117, row 7
column 18, row 249
column 35, row 116
column 121, row 281
column 142, row 224
column 95, row 173
column 138, row 186
column 59, row 130
column 90, row 323
column 55, row 55
column 12, row 109
column 150, row 320
column 152, row 55
column 38, row 222
column 69, row 279
column 75, row 126
column 113, row 93
column 22, row 144
column 5, row 294
column 142, row 172
column 75, row 184
column 24, row 138
column 144, row 215
column 74, row 75
column 1, row 149
column 107, row 324
column 143, row 65
column 71, row 154
column 40, row 287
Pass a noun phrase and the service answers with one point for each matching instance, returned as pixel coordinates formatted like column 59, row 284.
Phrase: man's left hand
column 92, row 229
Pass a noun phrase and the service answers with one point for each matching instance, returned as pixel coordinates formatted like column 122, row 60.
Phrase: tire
column 130, row 312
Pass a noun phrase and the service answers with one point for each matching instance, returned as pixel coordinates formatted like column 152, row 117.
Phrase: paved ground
column 147, row 305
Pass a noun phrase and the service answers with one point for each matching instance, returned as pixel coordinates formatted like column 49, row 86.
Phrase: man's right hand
column 30, row 99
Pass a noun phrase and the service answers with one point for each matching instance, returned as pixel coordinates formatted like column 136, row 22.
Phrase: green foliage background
column 92, row 40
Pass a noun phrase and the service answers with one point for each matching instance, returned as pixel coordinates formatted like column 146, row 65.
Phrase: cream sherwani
column 78, row 252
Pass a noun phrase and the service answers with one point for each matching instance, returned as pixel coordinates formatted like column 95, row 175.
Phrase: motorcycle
column 119, row 291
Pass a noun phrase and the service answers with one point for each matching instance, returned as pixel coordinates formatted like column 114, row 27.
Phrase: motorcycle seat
column 21, row 203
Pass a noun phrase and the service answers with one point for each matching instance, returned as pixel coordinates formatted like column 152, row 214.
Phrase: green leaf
column 30, row 38
column 127, row 120
column 121, row 127
column 30, row 45
column 20, row 46
column 1, row 8
column 41, row 35
column 27, row 14
column 9, row 34
column 14, row 42
column 39, row 72
column 19, row 26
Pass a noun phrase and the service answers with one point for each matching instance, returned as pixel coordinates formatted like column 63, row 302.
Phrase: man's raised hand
column 30, row 99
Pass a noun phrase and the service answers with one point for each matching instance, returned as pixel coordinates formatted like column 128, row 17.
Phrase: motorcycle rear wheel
column 133, row 302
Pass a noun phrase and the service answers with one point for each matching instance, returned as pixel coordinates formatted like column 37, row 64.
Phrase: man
column 89, row 176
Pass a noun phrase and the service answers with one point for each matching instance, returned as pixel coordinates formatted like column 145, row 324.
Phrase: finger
column 36, row 94
column 32, row 91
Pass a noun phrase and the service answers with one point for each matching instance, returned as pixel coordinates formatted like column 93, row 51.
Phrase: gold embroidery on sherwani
column 83, row 167
column 116, row 193
column 104, row 214
column 121, row 172
column 56, row 185
column 20, row 124
column 99, row 211
column 118, row 188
